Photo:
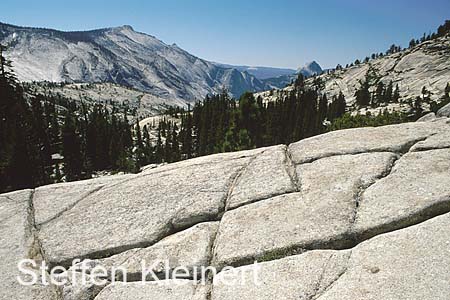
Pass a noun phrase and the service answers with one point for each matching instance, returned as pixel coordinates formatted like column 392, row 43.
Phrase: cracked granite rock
column 391, row 138
column 17, row 243
column 417, row 189
column 410, row 263
column 298, row 277
column 444, row 111
column 167, row 290
column 139, row 212
column 190, row 249
column 266, row 176
column 320, row 216
column 352, row 214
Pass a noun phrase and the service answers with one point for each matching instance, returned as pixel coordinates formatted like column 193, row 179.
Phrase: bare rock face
column 294, row 277
column 190, row 249
column 51, row 201
column 420, row 184
column 410, row 263
column 76, row 289
column 438, row 141
column 407, row 264
column 428, row 117
column 392, row 138
column 140, row 212
column 271, row 170
column 353, row 214
column 320, row 216
column 120, row 55
column 444, row 111
column 167, row 290
column 17, row 243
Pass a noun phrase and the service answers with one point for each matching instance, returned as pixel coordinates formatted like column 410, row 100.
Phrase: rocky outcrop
column 168, row 290
column 190, row 249
column 444, row 111
column 392, row 138
column 353, row 214
column 422, row 66
column 17, row 242
column 428, row 117
column 411, row 263
column 319, row 216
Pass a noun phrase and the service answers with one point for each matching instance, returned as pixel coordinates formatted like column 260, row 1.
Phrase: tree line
column 441, row 31
column 48, row 138
column 45, row 139
column 222, row 124
column 381, row 94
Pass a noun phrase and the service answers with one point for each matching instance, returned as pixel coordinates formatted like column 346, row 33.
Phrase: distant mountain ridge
column 119, row 55
column 261, row 72
column 275, row 78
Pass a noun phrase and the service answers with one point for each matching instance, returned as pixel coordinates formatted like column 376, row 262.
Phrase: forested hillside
column 47, row 137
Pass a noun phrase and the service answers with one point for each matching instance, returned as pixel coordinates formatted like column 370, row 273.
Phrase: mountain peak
column 313, row 64
column 311, row 68
column 152, row 66
column 126, row 27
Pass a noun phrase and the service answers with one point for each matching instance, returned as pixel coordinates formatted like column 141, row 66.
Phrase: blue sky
column 282, row 33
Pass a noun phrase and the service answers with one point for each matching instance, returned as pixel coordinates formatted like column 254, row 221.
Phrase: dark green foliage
column 363, row 95
column 443, row 29
column 220, row 124
column 374, row 92
column 417, row 107
column 109, row 139
column 94, row 138
column 337, row 107
column 71, row 144
column 368, row 120
column 35, row 129
column 22, row 163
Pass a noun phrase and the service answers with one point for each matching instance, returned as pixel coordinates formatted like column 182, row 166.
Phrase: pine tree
column 300, row 81
column 396, row 95
column 125, row 160
column 40, row 127
column 139, row 146
column 363, row 95
column 379, row 95
column 71, row 143
column 417, row 108
column 323, row 110
column 187, row 143
column 21, row 162
column 388, row 92
column 159, row 150
column 168, row 147
column 443, row 29
column 148, row 149
column 341, row 105
column 175, row 147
